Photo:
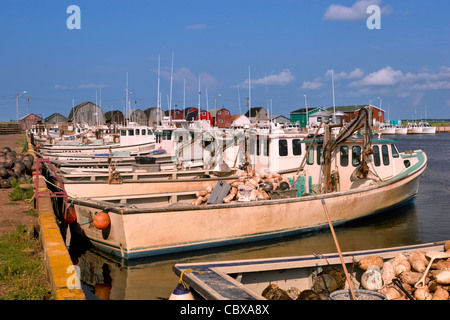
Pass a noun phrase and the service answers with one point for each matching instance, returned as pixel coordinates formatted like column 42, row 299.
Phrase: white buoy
column 181, row 293
column 372, row 279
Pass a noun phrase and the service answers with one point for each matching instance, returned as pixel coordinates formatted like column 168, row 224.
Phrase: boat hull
column 136, row 233
column 429, row 130
column 85, row 150
column 401, row 131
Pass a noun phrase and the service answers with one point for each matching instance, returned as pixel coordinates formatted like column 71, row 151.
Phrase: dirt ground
column 13, row 213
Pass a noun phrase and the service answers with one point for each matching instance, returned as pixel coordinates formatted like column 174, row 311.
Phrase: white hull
column 140, row 231
column 388, row 131
column 92, row 150
column 401, row 131
column 429, row 130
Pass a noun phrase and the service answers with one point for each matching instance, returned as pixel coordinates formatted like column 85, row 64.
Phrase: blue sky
column 289, row 46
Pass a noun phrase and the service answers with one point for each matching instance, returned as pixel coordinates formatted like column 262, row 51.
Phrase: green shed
column 301, row 115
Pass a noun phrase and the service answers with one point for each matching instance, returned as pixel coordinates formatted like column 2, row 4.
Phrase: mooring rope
column 182, row 274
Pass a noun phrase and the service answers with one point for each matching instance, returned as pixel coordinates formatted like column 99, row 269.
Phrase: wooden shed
column 56, row 118
column 28, row 121
column 221, row 117
column 257, row 114
column 138, row 116
column 154, row 116
column 114, row 117
column 87, row 113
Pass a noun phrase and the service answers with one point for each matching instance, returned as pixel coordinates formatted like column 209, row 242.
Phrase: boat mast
column 334, row 103
column 249, row 93
column 158, row 101
column 170, row 100
column 126, row 103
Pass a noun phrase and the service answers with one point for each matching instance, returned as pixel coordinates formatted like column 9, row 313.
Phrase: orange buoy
column 71, row 215
column 102, row 220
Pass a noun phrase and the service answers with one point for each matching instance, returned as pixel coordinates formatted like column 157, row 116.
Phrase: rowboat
column 249, row 279
column 368, row 177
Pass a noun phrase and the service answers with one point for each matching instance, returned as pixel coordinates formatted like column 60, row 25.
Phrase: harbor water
column 427, row 220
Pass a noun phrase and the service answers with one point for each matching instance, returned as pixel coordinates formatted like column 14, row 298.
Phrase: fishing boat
column 249, row 279
column 399, row 129
column 414, row 128
column 137, row 140
column 356, row 178
column 427, row 128
column 386, row 128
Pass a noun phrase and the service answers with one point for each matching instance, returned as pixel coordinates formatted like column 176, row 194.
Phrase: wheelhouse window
column 356, row 156
column 344, row 156
column 123, row 133
column 310, row 157
column 167, row 135
column 258, row 146
column 394, row 151
column 376, row 156
column 283, row 147
column 385, row 154
column 143, row 132
column 319, row 155
column 252, row 145
column 265, row 147
column 137, row 132
column 296, row 147
column 131, row 132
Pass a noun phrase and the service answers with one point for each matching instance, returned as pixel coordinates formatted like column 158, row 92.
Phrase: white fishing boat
column 137, row 140
column 414, row 128
column 427, row 128
column 386, row 128
column 356, row 178
column 399, row 129
column 297, row 277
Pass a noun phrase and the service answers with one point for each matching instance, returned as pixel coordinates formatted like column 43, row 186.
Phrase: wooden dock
column 442, row 129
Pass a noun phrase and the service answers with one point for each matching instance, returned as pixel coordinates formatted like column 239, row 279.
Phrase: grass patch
column 22, row 270
column 17, row 193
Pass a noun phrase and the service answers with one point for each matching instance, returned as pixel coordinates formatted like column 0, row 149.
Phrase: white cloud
column 423, row 80
column 432, row 85
column 281, row 79
column 383, row 77
column 60, row 86
column 312, row 85
column 358, row 11
column 355, row 74
column 185, row 75
column 199, row 26
column 92, row 86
